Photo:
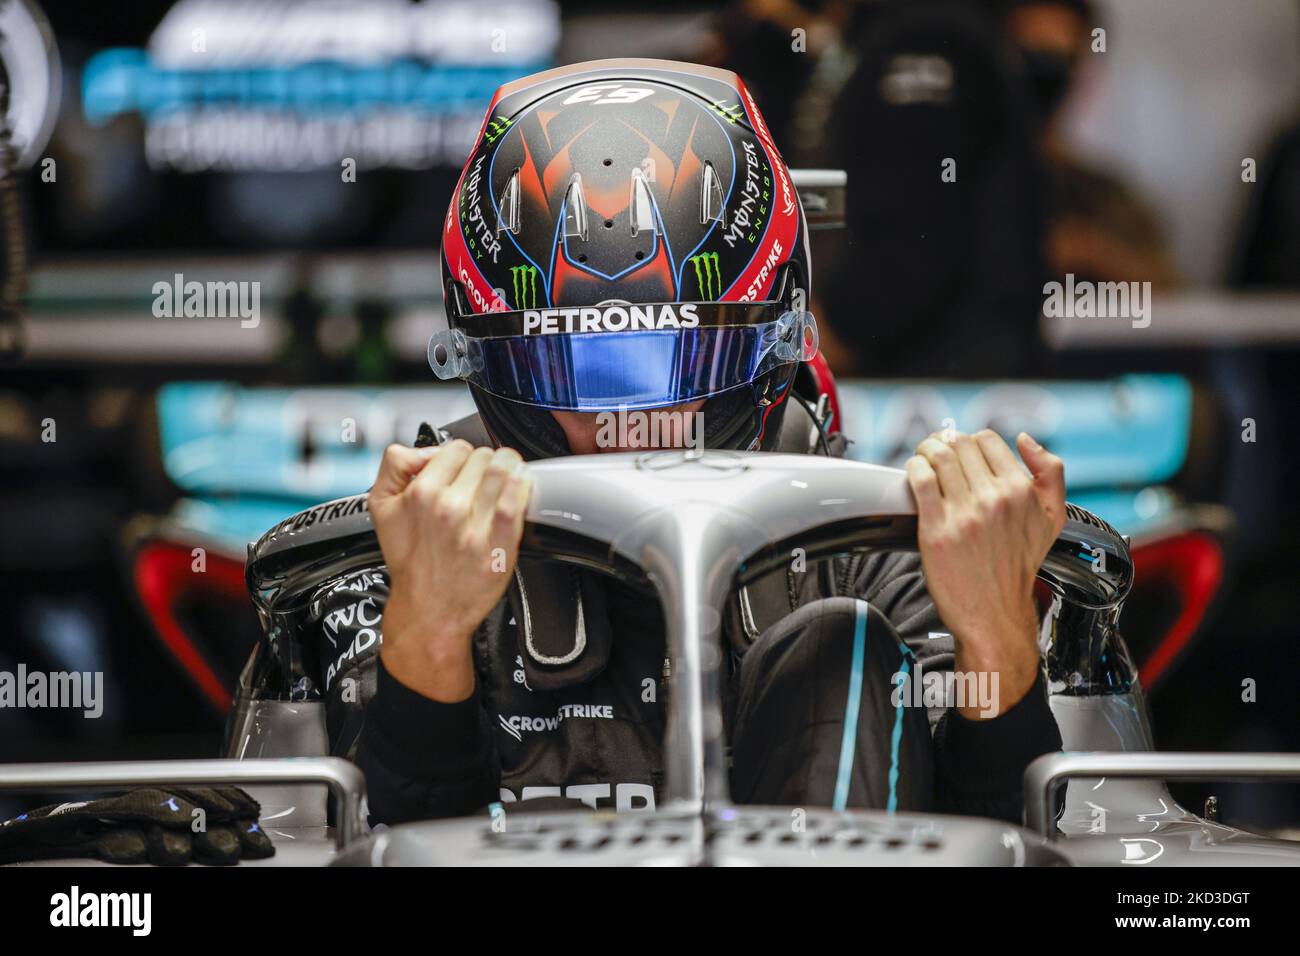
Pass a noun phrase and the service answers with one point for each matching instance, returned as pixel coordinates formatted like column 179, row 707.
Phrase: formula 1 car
column 244, row 458
column 660, row 520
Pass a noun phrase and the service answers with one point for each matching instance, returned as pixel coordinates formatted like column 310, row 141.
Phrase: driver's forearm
column 447, row 678
column 980, row 764
column 423, row 653
column 1004, row 653
column 422, row 758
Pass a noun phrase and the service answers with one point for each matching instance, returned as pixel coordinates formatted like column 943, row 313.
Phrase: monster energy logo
column 707, row 275
column 495, row 129
column 733, row 114
column 523, row 279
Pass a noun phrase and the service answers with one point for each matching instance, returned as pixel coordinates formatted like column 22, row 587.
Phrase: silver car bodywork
column 695, row 525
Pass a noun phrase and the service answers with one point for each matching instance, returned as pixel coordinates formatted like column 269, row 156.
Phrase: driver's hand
column 449, row 520
column 984, row 527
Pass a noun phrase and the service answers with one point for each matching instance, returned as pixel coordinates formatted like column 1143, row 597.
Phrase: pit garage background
column 1171, row 156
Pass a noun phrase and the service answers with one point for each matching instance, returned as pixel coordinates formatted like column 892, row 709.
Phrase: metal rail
column 1045, row 775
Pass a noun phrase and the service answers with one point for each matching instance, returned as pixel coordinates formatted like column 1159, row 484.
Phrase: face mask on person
column 1049, row 80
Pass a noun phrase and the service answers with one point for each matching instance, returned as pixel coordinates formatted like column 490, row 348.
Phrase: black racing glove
column 214, row 826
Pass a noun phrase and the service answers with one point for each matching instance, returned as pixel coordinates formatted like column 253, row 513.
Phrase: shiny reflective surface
column 739, row 836
column 1114, row 817
column 693, row 525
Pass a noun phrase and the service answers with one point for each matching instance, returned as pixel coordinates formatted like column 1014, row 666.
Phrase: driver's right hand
column 449, row 520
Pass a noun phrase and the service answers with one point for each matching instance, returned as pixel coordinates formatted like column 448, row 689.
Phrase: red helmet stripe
column 782, row 230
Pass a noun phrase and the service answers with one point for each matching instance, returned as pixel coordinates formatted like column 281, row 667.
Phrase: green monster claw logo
column 495, row 128
column 707, row 275
column 733, row 114
column 523, row 280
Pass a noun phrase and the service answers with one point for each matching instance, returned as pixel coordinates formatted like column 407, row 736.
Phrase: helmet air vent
column 712, row 208
column 641, row 206
column 575, row 210
column 508, row 211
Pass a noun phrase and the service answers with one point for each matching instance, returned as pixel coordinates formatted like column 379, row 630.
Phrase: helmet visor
column 606, row 358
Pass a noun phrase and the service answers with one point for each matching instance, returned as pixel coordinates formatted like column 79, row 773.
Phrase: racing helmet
column 625, row 235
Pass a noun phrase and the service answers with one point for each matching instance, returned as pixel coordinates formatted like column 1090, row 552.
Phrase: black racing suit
column 816, row 705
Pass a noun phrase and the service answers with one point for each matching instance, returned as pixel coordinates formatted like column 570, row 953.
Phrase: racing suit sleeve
column 424, row 759
column 421, row 758
column 979, row 764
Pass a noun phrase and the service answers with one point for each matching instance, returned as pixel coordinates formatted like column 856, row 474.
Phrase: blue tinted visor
column 628, row 368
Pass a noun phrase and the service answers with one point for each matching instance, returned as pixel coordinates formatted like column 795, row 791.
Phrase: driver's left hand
column 984, row 527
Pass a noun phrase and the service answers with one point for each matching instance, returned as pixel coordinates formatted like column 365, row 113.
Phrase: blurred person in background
column 1268, row 254
column 778, row 46
column 965, row 197
column 941, row 267
column 1099, row 228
